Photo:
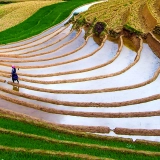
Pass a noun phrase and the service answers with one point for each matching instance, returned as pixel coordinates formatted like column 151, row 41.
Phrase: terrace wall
column 154, row 44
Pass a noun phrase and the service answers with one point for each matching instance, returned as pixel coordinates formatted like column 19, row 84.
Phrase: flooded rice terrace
column 66, row 79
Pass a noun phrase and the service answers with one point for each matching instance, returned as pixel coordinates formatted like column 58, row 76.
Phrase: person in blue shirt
column 14, row 74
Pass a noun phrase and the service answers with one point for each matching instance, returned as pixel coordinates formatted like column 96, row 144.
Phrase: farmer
column 14, row 74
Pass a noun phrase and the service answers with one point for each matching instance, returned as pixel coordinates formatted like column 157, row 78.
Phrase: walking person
column 14, row 74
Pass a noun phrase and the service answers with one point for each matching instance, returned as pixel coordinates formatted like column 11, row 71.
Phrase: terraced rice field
column 15, row 13
column 69, row 84
column 139, row 17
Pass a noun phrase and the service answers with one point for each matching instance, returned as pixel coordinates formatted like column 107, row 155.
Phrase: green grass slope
column 19, row 138
column 43, row 19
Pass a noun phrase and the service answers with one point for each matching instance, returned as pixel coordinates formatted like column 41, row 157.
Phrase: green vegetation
column 61, row 141
column 32, row 129
column 19, row 139
column 43, row 19
column 99, row 28
column 5, row 2
column 132, row 30
column 29, row 143
column 11, row 155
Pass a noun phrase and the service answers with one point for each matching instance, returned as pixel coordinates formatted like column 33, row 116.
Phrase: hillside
column 85, row 91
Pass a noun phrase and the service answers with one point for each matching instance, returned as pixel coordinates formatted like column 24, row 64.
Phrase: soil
column 149, row 22
column 141, row 132
column 153, row 43
column 90, row 129
column 97, row 40
column 131, row 40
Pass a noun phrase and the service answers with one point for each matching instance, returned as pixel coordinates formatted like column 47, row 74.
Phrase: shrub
column 131, row 30
column 99, row 28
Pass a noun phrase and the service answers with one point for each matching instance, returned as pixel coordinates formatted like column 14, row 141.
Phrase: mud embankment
column 148, row 20
column 69, row 130
column 140, row 132
column 131, row 40
column 153, row 43
column 91, row 129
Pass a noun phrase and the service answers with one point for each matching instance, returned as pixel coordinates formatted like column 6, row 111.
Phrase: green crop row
column 19, row 155
column 59, row 135
column 21, row 141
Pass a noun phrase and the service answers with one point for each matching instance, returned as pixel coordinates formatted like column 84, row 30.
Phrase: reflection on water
column 16, row 88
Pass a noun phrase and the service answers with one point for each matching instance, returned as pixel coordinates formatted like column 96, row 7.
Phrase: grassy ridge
column 31, row 143
column 43, row 19
column 11, row 155
column 32, row 129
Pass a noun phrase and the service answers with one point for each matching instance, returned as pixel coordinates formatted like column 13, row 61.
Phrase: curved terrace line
column 46, row 59
column 18, row 55
column 60, row 30
column 48, row 45
column 141, row 132
column 84, row 79
column 105, row 66
column 51, row 28
column 80, row 113
column 45, row 75
column 43, row 53
column 56, row 64
column 88, row 91
column 80, row 79
column 48, row 152
column 71, row 129
column 31, row 39
column 77, row 104
column 43, row 138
